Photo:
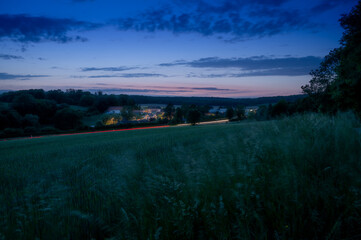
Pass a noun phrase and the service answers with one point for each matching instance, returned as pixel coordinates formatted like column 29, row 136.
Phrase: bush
column 30, row 120
column 67, row 118
column 49, row 130
column 31, row 130
column 13, row 131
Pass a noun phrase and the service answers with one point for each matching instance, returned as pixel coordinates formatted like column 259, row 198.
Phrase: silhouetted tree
column 14, row 119
column 56, row 95
column 262, row 113
column 87, row 100
column 229, row 113
column 30, row 120
column 169, row 111
column 347, row 87
column 319, row 88
column 336, row 84
column 67, row 118
column 178, row 115
column 46, row 110
column 127, row 112
column 240, row 112
column 194, row 115
column 24, row 103
column 280, row 108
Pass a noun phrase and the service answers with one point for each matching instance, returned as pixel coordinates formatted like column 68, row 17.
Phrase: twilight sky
column 219, row 48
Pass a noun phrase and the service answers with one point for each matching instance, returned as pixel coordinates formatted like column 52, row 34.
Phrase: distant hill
column 214, row 100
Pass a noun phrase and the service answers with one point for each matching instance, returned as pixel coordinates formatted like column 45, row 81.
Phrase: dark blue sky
column 227, row 48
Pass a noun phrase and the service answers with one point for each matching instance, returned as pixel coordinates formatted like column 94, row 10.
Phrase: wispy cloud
column 177, row 91
column 238, row 18
column 83, row 1
column 142, row 90
column 325, row 5
column 109, row 69
column 253, row 66
column 211, row 89
column 10, row 57
column 6, row 76
column 130, row 75
column 25, row 28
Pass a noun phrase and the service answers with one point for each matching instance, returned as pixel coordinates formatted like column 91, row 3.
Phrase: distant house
column 138, row 112
column 219, row 110
column 250, row 110
column 153, row 110
column 114, row 109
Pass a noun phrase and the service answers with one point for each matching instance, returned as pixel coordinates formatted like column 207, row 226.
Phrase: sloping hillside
column 296, row 178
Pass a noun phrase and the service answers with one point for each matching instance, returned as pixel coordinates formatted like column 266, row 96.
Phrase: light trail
column 80, row 133
column 116, row 130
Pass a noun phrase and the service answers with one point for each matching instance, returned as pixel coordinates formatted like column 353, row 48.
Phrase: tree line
column 37, row 111
column 336, row 84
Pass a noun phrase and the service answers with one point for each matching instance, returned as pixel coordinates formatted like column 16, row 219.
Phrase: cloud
column 242, row 19
column 10, row 57
column 102, row 84
column 166, row 90
column 325, row 5
column 6, row 76
column 110, row 69
column 212, row 89
column 176, row 91
column 129, row 75
column 254, row 66
column 140, row 90
column 25, row 28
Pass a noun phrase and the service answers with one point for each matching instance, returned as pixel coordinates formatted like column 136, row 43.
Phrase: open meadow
column 295, row 178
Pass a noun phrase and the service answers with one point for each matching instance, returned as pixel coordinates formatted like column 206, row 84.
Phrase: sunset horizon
column 231, row 49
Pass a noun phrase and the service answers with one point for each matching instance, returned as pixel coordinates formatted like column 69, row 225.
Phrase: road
column 118, row 130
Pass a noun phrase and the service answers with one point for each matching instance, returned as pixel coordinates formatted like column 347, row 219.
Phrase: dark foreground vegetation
column 296, row 178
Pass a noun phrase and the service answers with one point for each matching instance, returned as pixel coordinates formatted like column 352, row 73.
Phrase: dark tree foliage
column 73, row 96
column 87, row 100
column 30, row 120
column 4, row 121
column 262, row 113
column 320, row 88
column 56, row 95
column 10, row 119
column 240, row 112
column 9, row 96
column 336, row 84
column 347, row 87
column 127, row 113
column 27, row 104
column 204, row 108
column 36, row 93
column 46, row 110
column 229, row 113
column 280, row 109
column 179, row 115
column 24, row 104
column 194, row 115
column 169, row 111
column 213, row 101
column 67, row 118
column 103, row 102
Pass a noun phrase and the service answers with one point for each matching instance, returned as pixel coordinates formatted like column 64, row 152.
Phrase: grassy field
column 296, row 178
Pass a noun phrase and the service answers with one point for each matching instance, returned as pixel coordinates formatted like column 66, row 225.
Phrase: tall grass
column 296, row 178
